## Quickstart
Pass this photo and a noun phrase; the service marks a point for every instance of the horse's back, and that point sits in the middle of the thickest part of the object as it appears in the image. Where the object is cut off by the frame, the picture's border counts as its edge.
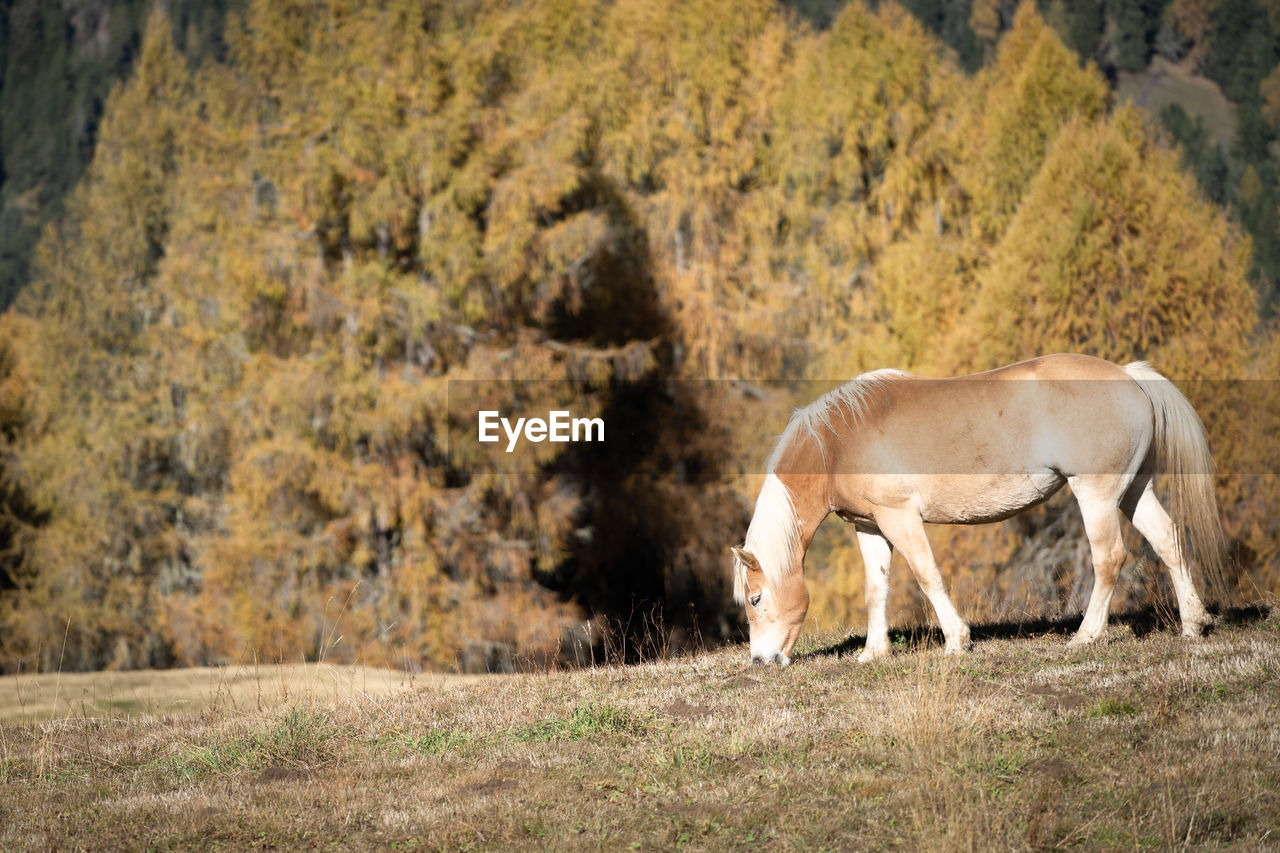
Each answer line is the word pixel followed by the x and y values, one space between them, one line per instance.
pixel 1048 399
pixel 1057 367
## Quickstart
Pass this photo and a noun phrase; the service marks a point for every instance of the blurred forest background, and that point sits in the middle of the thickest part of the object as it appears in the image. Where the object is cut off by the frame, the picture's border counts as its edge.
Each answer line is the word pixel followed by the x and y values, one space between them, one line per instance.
pixel 246 246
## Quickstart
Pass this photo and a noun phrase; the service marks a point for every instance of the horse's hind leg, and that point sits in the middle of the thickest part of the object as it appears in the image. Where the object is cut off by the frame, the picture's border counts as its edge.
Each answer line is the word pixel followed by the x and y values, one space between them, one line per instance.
pixel 905 530
pixel 1146 513
pixel 1099 507
pixel 876 554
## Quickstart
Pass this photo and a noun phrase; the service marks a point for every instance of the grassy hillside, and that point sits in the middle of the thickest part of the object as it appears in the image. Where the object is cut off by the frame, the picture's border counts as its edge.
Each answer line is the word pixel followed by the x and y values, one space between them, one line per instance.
pixel 32 698
pixel 1165 83
pixel 1143 740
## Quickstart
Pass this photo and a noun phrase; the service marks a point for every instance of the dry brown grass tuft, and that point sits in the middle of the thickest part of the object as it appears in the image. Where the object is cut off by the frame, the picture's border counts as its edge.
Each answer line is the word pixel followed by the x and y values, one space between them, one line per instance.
pixel 1137 742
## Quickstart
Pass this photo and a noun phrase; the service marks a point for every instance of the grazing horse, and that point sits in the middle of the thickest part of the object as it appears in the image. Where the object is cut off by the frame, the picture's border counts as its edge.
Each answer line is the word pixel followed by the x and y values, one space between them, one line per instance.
pixel 888 451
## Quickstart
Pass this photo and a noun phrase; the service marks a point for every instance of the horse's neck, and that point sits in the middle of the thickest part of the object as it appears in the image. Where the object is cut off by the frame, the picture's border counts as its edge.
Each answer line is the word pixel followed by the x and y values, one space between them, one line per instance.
pixel 803 465
pixel 787 514
pixel 811 506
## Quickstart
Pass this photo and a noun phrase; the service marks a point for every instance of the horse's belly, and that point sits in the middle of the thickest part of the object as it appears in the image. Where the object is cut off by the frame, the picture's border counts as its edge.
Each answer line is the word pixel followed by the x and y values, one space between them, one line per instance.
pixel 979 498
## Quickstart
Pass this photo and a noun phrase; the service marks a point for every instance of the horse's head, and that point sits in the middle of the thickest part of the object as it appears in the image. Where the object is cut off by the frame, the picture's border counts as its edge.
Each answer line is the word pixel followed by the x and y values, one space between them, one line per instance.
pixel 776 607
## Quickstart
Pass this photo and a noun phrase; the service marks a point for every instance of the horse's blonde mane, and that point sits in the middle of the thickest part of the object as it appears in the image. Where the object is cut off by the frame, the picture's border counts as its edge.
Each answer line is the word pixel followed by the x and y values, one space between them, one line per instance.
pixel 774 533
pixel 852 399
pixel 772 537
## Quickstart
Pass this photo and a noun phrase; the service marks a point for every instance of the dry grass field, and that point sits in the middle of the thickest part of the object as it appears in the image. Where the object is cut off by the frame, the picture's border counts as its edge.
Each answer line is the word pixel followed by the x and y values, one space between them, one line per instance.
pixel 1142 741
pixel 43 696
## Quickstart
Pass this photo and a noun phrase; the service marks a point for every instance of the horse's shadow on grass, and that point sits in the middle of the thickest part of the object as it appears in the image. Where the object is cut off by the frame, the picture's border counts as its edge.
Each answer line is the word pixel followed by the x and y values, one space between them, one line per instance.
pixel 1142 621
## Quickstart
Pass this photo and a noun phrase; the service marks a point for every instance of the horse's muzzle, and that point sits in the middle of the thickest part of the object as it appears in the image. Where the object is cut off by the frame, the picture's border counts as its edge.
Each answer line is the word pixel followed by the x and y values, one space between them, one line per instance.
pixel 780 659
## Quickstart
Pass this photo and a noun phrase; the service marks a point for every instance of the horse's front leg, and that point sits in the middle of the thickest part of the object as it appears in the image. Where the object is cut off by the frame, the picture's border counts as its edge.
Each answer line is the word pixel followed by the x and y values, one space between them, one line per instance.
pixel 904 528
pixel 876 554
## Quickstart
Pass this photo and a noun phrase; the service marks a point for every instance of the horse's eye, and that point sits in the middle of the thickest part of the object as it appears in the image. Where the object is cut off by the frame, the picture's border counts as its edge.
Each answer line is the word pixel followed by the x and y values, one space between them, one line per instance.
pixel 754 600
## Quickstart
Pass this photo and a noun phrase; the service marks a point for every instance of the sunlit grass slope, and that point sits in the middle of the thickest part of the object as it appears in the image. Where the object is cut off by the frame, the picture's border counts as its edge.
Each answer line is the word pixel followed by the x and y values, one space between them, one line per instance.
pixel 1142 741
pixel 1165 83
pixel 40 696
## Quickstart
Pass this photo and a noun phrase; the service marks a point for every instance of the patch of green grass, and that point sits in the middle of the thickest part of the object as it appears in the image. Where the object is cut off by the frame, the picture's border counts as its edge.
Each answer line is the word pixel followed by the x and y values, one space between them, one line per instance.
pixel 434 741
pixel 1112 707
pixel 1003 768
pixel 1215 692
pixel 588 720
pixel 297 739
pixel 681 757
pixel 439 741
pixel 129 706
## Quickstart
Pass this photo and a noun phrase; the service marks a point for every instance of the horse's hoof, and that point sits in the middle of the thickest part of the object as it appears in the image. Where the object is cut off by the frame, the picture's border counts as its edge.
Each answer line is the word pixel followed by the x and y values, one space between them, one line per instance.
pixel 1079 640
pixel 1195 628
pixel 871 653
pixel 959 645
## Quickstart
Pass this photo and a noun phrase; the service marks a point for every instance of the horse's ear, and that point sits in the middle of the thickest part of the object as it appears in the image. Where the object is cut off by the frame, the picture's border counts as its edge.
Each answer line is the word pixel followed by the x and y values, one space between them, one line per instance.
pixel 746 558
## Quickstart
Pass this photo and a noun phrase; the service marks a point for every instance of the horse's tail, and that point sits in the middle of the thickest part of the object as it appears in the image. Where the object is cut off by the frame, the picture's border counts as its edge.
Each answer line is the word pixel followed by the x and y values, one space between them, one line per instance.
pixel 1183 454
